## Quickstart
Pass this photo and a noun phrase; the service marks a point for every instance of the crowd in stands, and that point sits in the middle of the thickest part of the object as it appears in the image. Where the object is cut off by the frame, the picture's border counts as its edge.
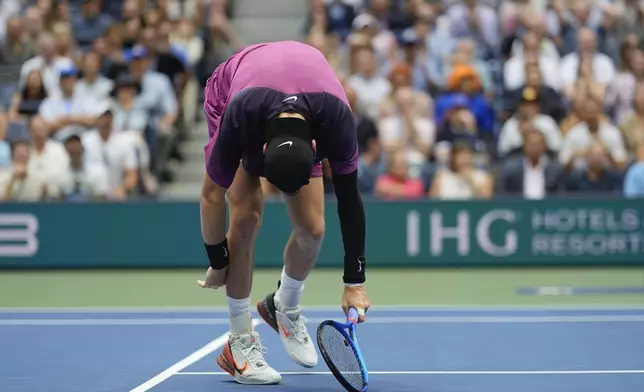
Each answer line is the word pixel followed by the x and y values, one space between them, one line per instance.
pixel 462 99
pixel 454 99
pixel 96 95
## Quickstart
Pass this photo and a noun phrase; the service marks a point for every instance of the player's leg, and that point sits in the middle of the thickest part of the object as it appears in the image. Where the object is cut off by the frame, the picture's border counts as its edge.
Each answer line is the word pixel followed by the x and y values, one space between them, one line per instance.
pixel 243 356
pixel 281 309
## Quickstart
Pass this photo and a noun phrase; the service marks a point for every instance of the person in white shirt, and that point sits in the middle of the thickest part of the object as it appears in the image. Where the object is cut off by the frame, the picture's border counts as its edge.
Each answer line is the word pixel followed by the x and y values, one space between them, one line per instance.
pixel 82 181
pixel 587 62
pixel 113 151
pixel 93 85
pixel 512 135
pixel 371 88
pixel 48 63
pixel 67 114
pixel 48 157
pixel 514 74
pixel 581 136
pixel 19 182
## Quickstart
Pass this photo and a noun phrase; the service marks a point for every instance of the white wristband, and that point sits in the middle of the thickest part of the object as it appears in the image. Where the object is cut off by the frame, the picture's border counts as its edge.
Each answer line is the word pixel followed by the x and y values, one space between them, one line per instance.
pixel 353 284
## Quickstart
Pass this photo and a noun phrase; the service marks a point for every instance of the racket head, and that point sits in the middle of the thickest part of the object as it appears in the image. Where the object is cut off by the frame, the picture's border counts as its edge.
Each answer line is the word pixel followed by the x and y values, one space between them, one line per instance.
pixel 341 353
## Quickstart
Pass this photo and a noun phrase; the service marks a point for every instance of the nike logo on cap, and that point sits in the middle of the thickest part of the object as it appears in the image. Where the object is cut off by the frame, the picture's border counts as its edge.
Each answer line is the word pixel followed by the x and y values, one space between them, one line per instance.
pixel 289 143
pixel 290 99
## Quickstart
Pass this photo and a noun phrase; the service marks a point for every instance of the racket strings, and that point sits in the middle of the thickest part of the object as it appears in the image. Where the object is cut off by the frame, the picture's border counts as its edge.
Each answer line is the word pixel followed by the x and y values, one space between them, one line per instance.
pixel 343 357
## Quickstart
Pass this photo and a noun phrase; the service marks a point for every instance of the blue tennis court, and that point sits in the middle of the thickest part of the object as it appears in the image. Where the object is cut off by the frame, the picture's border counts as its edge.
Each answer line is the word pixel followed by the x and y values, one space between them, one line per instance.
pixel 412 349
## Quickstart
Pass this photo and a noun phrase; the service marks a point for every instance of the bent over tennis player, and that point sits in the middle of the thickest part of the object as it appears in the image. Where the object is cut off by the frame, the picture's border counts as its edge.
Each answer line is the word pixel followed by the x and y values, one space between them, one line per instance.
pixel 279 109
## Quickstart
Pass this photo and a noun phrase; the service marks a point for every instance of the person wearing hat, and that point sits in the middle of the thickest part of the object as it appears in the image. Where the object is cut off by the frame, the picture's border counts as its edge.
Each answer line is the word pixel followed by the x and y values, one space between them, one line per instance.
pixel 511 138
pixel 129 114
pixel 279 109
pixel 68 113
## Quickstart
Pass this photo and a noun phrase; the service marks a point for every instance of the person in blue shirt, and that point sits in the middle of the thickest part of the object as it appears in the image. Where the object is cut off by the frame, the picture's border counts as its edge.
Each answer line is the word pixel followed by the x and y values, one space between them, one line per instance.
pixel 634 181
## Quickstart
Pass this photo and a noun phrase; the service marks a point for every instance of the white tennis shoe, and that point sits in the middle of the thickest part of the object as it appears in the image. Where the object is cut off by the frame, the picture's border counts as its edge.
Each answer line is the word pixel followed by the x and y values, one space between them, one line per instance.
pixel 243 358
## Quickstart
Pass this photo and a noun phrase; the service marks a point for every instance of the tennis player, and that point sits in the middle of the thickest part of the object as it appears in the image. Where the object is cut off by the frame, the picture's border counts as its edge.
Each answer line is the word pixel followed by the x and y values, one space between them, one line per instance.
pixel 279 109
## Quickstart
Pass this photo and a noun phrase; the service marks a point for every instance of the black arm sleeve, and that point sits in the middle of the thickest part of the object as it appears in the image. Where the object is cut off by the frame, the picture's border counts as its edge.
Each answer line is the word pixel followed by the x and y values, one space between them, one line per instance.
pixel 352 224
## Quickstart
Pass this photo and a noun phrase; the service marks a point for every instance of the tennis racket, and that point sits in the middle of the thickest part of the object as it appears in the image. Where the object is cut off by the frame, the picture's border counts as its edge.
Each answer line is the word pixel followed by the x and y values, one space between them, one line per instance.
pixel 339 348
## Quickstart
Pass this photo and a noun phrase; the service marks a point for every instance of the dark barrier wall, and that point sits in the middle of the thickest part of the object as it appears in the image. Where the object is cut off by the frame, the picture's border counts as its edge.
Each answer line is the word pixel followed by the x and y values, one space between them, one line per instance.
pixel 399 234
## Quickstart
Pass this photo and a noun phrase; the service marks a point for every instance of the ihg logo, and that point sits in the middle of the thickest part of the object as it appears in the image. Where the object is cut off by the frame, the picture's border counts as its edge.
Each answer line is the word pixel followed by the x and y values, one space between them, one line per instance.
pixel 18 235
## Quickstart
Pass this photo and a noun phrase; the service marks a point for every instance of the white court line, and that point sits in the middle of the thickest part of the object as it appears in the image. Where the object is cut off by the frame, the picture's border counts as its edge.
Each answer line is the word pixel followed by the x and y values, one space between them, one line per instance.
pixel 370 320
pixel 323 308
pixel 445 372
pixel 184 363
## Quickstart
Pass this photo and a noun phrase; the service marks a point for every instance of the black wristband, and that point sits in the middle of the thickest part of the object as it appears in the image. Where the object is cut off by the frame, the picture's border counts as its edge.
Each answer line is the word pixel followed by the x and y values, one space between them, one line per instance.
pixel 218 254
pixel 354 270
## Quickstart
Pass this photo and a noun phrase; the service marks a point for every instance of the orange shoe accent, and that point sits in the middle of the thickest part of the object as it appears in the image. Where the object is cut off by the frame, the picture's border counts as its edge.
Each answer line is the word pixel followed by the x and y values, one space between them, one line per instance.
pixel 286 333
pixel 262 313
pixel 239 369
pixel 224 364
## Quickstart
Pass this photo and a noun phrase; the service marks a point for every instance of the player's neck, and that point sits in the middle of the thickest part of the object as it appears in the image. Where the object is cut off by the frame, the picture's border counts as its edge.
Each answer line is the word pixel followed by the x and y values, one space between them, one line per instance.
pixel 290 115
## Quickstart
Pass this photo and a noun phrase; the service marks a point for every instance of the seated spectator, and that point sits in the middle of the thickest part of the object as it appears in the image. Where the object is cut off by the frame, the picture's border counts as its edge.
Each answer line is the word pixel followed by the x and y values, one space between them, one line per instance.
pixel 365 127
pixel 67 114
pixel 90 24
pixel 414 55
pixel 511 138
pixel 514 70
pixel 128 113
pixel 47 157
pixel 81 181
pixel 406 130
pixel 189 42
pixel 170 60
pixel 550 101
pixel 371 163
pixel 620 93
pixel 396 183
pixel 532 175
pixel 65 41
pixel 48 63
pixel 371 88
pixel 472 19
pixel 27 101
pixel 19 183
pixel 598 177
pixel 111 48
pixel 578 102
pixel 581 137
pixel 93 85
pixel 5 150
pixel 465 54
pixel 337 16
pixel 463 81
pixel 369 32
pixel 534 22
pixel 16 48
pixel 587 64
pixel 460 180
pixel 458 127
pixel 401 76
pixel 113 152
pixel 633 127
pixel 634 181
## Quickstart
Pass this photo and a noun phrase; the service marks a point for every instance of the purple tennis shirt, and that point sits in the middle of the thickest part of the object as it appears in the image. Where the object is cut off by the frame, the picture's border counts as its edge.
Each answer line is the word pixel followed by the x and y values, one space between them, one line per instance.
pixel 259 83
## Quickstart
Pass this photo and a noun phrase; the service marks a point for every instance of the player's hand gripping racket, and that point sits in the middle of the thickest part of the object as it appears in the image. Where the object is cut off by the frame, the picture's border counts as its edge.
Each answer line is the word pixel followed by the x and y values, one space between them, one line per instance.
pixel 339 348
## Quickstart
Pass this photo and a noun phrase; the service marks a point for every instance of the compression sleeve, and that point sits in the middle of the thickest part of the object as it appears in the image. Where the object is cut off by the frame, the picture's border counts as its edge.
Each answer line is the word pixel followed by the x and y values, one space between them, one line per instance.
pixel 353 226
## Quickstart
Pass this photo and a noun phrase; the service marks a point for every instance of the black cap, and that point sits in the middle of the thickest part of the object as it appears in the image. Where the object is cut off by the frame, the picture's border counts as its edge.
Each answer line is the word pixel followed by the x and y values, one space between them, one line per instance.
pixel 288 162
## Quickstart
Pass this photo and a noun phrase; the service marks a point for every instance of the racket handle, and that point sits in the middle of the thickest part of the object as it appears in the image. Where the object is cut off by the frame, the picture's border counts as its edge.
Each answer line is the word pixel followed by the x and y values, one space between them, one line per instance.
pixel 352 316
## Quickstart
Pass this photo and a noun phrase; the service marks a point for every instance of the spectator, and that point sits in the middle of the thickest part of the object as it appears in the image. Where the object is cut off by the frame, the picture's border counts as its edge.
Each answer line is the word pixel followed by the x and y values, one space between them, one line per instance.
pixel 514 70
pixel 465 54
pixel 598 177
pixel 115 153
pixel 413 53
pixel 364 125
pixel 5 150
pixel 47 157
pixel 65 41
pixel 461 180
pixel 49 63
pixel 401 77
pixel 458 127
pixel 463 81
pixel 550 101
pixel 587 64
pixel 16 48
pixel 619 95
pixel 534 23
pixel 371 88
pixel 91 24
pixel 581 136
pixel 27 101
pixel 578 102
pixel 67 114
pixel 532 175
pixel 634 181
pixel 34 26
pixel 82 182
pixel 128 113
pixel 511 137
pixel 633 128
pixel 396 183
pixel 406 130
pixel 371 163
pixel 19 182
pixel 93 85
pixel 469 19
pixel 111 50
pixel 170 60
pixel 367 31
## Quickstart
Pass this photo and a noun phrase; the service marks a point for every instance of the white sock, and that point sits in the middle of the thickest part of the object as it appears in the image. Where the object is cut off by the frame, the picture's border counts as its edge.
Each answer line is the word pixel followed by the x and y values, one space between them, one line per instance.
pixel 240 318
pixel 288 295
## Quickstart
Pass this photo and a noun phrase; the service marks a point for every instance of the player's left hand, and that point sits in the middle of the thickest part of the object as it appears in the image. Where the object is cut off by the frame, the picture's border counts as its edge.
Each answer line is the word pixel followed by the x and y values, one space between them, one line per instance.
pixel 356 297
pixel 214 279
